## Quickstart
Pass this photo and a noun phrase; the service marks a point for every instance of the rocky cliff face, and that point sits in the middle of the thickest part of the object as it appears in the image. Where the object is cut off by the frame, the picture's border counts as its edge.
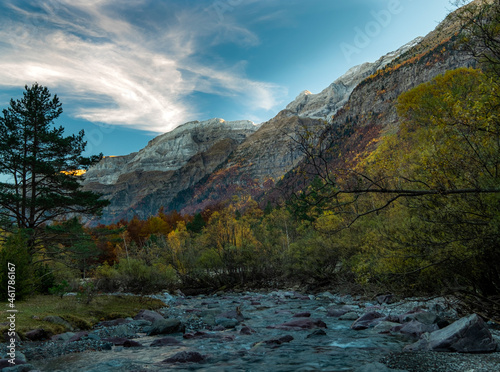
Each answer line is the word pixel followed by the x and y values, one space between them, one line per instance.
pixel 168 164
pixel 326 103
pixel 201 163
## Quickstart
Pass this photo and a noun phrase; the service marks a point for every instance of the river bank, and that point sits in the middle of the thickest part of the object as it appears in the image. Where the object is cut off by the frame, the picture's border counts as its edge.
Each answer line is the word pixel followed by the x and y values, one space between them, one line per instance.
pixel 278 330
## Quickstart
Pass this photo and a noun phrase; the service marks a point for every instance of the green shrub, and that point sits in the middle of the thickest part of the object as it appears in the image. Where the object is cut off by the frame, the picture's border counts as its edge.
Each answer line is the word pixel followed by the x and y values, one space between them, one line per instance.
pixel 15 251
pixel 136 276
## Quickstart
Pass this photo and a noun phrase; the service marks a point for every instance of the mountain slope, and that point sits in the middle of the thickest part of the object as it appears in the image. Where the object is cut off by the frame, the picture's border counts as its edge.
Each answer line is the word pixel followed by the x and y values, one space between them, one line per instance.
pixel 168 164
pixel 199 164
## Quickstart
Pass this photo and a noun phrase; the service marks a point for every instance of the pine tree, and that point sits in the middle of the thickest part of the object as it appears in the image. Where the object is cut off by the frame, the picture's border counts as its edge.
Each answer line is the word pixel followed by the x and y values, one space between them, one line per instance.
pixel 40 166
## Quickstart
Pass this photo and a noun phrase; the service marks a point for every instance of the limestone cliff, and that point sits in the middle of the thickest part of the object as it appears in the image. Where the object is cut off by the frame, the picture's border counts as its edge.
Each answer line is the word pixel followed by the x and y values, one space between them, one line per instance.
pixel 326 103
pixel 167 165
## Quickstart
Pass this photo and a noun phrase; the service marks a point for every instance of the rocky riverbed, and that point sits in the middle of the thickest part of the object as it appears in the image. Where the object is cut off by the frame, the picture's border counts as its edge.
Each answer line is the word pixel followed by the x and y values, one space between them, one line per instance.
pixel 275 331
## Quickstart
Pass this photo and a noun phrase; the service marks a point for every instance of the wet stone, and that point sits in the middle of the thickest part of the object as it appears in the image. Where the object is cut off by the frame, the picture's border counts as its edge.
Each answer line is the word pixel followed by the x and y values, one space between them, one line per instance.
pixel 165 341
pixel 226 323
pixel 349 316
pixel 186 357
pixel 132 343
pixel 317 333
pixel 247 331
pixel 150 316
pixel 301 323
pixel 367 320
pixel 165 326
pixel 39 334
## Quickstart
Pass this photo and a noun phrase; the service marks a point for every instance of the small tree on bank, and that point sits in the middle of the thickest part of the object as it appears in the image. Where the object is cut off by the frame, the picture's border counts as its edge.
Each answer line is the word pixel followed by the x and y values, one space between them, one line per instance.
pixel 40 167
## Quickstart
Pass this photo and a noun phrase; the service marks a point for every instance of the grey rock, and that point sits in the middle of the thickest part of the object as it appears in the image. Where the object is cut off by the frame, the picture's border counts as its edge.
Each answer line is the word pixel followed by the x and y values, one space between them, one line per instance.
pixel 317 333
pixel 38 334
pixel 226 323
pixel 59 320
pixel 141 323
pixel 165 326
pixel 415 328
pixel 93 336
pixel 186 357
pixel 232 314
pixel 149 315
pixel 122 331
pixel 426 318
pixel 384 326
pixel 166 341
pixel 367 320
pixel 466 335
pixel 63 336
pixel 385 299
pixel 350 316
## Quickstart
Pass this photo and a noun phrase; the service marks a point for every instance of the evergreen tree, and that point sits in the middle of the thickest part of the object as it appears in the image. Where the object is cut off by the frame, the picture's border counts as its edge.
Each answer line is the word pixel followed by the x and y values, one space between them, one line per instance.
pixel 40 166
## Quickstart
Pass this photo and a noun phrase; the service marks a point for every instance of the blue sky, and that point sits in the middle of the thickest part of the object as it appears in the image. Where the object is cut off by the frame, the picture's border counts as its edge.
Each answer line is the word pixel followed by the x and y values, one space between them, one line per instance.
pixel 129 70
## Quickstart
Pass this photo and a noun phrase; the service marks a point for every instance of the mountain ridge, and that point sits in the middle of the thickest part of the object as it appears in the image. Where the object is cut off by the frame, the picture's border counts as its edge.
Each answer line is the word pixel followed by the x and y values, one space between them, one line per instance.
pixel 209 168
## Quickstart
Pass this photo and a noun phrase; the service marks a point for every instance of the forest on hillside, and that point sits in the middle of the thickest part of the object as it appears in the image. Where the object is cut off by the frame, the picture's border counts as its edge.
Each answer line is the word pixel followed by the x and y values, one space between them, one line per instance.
pixel 420 214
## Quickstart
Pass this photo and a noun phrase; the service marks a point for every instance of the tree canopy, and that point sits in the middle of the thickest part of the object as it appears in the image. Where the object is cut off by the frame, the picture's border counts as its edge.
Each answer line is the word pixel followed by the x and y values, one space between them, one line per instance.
pixel 40 165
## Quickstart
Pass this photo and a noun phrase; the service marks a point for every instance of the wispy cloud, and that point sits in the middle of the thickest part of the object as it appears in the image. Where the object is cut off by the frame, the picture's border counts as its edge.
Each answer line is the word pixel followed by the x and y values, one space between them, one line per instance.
pixel 122 72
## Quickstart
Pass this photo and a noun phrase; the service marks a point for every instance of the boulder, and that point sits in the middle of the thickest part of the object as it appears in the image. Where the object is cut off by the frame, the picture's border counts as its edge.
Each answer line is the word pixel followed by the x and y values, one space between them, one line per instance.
pixel 166 341
pixel 58 320
pixel 232 314
pixel 385 326
pixel 246 331
pixel 367 320
pixel 301 323
pixel 78 336
pixel 385 299
pixel 350 316
pixel 317 333
pixel 65 337
pixel 226 323
pixel 150 316
pixel 467 335
pixel 410 315
pixel 123 330
pixel 336 311
pixel 279 341
pixel 38 334
pixel 186 357
pixel 415 328
pixel 165 326
pixel 132 343
pixel 426 317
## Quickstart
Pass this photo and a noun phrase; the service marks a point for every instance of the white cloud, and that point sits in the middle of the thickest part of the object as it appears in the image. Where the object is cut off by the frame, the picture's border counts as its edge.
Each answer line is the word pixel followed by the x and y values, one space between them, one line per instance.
pixel 121 73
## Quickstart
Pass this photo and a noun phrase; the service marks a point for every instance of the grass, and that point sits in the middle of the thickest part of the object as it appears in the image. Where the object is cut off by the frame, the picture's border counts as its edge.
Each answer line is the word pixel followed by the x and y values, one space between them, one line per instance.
pixel 33 310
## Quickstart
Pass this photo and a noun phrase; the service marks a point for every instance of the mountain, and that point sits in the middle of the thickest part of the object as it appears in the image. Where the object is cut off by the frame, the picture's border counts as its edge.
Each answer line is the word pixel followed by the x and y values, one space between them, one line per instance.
pixel 326 103
pixel 201 163
pixel 168 164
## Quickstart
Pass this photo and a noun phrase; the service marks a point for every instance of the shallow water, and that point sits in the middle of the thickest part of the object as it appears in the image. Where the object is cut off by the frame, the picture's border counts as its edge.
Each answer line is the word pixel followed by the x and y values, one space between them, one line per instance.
pixel 341 349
